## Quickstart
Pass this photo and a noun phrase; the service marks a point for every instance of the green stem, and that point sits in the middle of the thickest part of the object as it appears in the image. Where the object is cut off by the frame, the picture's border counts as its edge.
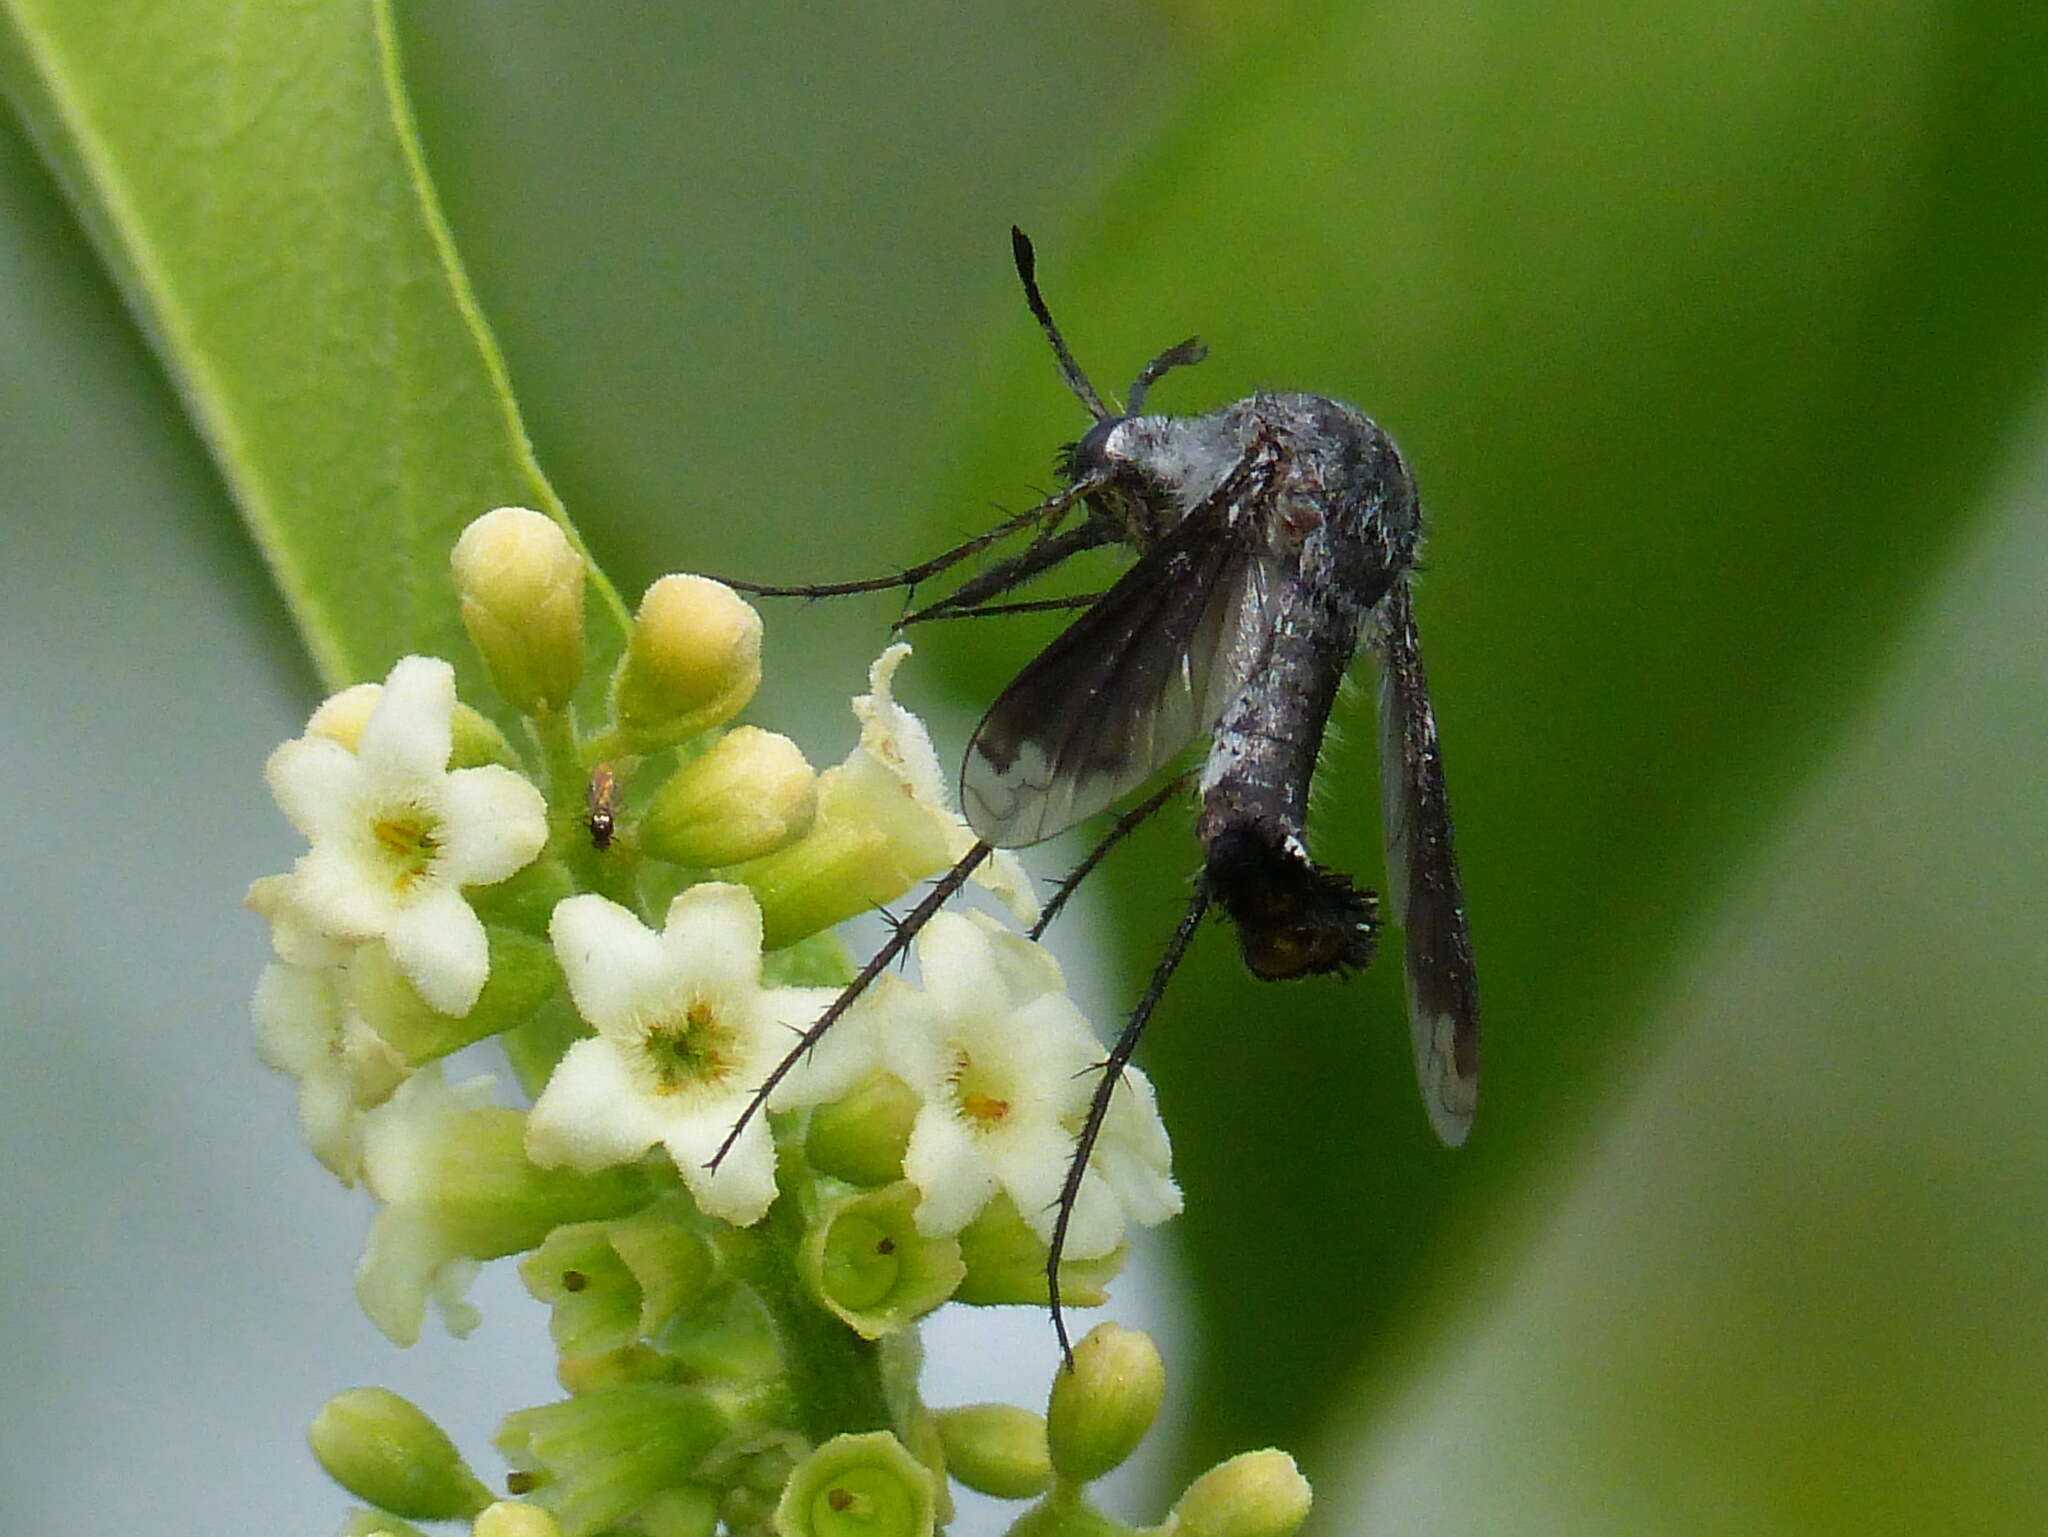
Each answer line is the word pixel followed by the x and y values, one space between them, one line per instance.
pixel 835 1377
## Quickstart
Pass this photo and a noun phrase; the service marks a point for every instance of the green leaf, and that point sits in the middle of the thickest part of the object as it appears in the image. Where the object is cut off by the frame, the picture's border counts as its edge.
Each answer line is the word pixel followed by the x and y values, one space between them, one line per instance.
pixel 251 178
pixel 1702 333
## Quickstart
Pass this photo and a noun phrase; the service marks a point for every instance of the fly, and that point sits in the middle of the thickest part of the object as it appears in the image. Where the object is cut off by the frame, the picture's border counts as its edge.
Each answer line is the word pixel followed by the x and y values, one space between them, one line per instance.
pixel 1273 537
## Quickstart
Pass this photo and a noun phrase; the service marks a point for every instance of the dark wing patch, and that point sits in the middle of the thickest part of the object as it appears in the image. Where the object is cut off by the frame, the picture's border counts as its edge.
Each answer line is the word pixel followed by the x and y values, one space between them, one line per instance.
pixel 1422 877
pixel 1128 685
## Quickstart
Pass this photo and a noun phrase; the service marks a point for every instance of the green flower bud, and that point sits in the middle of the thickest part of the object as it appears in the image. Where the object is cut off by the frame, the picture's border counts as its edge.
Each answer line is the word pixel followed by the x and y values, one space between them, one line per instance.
pixel 523 975
pixel 858 1486
pixel 596 1460
pixel 997 1449
pixel 520 584
pixel 692 662
pixel 1006 1263
pixel 382 1449
pixel 872 841
pixel 750 795
pixel 612 1283
pixel 861 1138
pixel 515 1518
pixel 1254 1494
pixel 595 1371
pixel 864 1259
pixel 1104 1403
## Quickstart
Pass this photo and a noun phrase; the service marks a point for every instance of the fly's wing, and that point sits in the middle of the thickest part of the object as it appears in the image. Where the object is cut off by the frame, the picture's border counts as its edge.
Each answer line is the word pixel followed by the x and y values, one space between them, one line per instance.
pixel 1422 874
pixel 1129 684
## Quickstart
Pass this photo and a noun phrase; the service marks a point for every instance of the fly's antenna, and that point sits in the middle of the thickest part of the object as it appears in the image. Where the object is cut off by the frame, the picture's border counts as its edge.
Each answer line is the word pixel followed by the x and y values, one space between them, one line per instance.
pixel 1098 1107
pixel 1180 355
pixel 1027 269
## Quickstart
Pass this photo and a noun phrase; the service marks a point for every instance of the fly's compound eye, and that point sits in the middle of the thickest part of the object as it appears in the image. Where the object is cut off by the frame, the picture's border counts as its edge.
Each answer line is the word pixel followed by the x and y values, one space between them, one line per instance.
pixel 1090 459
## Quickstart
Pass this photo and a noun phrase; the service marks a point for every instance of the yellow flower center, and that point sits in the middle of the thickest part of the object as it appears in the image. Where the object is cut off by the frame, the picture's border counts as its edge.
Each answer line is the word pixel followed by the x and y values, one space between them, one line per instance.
pixel 691 1049
pixel 410 841
pixel 981 1095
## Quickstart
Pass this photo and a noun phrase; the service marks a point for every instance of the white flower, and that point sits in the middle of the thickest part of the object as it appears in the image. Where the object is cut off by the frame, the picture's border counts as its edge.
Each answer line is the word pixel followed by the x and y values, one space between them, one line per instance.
pixel 414 1253
pixel 1000 1057
pixel 1133 1161
pixel 896 742
pixel 297 939
pixel 686 1034
pixel 343 1067
pixel 396 835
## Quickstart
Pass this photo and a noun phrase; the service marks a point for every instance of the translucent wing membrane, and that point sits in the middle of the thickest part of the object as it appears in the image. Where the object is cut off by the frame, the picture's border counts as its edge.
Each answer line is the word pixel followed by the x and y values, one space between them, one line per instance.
pixel 1133 681
pixel 1422 877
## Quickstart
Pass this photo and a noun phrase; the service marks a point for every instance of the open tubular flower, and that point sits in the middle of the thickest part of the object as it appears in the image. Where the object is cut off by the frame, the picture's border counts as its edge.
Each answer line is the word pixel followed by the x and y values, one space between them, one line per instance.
pixel 686 1034
pixel 999 1057
pixel 305 1028
pixel 396 835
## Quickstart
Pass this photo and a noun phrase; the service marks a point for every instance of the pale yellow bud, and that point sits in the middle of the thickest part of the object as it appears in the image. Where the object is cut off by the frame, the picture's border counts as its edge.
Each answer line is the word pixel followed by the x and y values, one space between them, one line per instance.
pixel 1104 1403
pixel 996 1449
pixel 520 583
pixel 515 1518
pixel 692 662
pixel 750 795
pixel 1254 1494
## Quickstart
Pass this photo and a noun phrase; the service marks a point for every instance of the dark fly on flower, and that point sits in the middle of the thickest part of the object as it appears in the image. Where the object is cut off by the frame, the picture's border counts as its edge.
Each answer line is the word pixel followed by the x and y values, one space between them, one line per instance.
pixel 1273 538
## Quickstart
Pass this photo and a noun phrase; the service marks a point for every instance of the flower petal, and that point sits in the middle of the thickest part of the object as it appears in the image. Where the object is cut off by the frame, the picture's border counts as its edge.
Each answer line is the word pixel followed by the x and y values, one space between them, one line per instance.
pixel 843 1056
pixel 1031 1164
pixel 959 969
pixel 493 822
pixel 952 1177
pixel 615 963
pixel 713 934
pixel 438 943
pixel 317 783
pixel 590 1116
pixel 337 896
pixel 410 733
pixel 742 1187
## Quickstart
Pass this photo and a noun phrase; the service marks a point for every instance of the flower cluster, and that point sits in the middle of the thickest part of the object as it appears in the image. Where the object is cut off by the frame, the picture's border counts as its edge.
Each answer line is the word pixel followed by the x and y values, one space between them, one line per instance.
pixel 637 904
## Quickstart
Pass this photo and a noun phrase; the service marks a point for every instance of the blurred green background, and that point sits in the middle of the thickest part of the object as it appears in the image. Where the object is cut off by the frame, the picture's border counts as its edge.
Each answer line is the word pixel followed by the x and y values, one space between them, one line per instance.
pixel 1717 337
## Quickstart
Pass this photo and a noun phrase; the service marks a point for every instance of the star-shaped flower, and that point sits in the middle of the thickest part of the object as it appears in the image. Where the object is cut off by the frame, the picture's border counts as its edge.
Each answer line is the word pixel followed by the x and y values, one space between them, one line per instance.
pixel 1002 1060
pixel 686 1034
pixel 396 835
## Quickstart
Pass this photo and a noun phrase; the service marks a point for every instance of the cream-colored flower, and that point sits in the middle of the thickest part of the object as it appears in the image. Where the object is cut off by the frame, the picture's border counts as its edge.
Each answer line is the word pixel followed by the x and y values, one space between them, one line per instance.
pixel 343 1067
pixel 894 739
pixel 686 1035
pixel 1005 1066
pixel 396 835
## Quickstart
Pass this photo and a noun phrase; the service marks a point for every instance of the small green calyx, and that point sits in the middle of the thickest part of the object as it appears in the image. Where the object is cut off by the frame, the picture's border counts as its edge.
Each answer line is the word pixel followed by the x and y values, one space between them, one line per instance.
pixel 864 1259
pixel 383 1449
pixel 861 1138
pixel 1006 1264
pixel 858 1486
